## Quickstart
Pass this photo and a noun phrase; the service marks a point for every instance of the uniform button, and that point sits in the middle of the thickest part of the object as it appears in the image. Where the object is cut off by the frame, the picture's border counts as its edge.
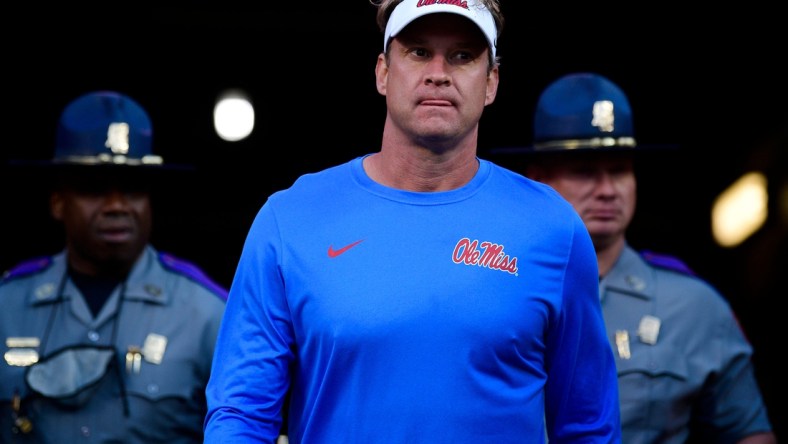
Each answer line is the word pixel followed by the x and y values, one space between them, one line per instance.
pixel 153 388
pixel 93 336
pixel 85 431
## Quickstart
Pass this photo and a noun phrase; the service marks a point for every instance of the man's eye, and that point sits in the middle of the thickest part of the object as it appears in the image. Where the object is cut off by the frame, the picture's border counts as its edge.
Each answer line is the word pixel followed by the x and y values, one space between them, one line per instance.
pixel 463 55
pixel 582 173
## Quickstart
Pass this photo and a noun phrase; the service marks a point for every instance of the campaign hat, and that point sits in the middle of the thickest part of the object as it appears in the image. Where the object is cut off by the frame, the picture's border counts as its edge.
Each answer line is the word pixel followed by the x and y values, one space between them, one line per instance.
pixel 103 133
pixel 582 113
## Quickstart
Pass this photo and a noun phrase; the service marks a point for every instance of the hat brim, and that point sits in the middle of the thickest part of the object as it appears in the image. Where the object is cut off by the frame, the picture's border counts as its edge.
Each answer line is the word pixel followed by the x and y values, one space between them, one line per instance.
pixel 51 165
pixel 50 174
pixel 531 151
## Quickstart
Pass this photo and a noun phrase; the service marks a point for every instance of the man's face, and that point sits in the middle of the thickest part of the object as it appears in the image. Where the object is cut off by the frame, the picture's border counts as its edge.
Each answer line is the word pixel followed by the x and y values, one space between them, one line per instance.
pixel 601 187
pixel 437 79
pixel 107 221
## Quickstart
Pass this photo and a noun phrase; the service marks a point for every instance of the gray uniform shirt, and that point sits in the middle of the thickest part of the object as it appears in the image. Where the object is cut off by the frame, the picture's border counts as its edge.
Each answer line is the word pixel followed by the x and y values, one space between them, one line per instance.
pixel 680 353
pixel 163 326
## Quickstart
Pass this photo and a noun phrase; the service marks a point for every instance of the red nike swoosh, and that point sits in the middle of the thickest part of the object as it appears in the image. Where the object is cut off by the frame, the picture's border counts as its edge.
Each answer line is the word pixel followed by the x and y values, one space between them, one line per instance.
pixel 334 253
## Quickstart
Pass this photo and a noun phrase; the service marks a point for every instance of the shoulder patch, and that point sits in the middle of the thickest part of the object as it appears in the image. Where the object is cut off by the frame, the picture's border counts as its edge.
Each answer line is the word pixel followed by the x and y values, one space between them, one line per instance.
pixel 193 272
pixel 666 261
pixel 27 267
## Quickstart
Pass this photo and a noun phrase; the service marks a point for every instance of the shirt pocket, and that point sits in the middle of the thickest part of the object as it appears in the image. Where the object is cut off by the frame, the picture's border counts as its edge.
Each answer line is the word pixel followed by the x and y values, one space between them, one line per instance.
pixel 654 361
pixel 654 385
pixel 167 402
pixel 173 379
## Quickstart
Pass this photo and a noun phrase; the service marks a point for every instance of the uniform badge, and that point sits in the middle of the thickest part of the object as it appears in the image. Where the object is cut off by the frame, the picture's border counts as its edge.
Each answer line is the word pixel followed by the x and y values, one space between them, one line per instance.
pixel 648 330
pixel 153 290
pixel 635 282
pixel 154 347
pixel 44 290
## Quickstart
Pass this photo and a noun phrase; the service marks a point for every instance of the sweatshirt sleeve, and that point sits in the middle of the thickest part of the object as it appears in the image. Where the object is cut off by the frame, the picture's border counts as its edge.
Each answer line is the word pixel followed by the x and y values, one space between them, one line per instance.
pixel 249 378
pixel 581 395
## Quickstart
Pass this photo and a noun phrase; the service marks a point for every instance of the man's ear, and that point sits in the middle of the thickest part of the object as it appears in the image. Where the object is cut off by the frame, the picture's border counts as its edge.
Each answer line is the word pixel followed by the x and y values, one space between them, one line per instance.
pixel 56 205
pixel 492 86
pixel 381 74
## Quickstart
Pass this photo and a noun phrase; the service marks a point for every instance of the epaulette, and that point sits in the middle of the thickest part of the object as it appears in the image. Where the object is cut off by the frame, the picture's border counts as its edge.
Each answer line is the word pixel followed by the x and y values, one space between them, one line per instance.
pixel 666 261
pixel 27 267
pixel 193 272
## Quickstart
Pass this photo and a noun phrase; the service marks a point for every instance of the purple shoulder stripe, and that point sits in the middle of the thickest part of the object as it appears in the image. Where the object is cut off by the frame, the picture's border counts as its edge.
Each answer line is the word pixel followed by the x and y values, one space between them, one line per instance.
pixel 192 271
pixel 28 267
pixel 666 261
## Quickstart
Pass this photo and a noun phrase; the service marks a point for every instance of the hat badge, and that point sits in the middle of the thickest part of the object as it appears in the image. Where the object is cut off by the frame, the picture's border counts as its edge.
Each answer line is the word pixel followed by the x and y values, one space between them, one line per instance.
pixel 118 138
pixel 603 116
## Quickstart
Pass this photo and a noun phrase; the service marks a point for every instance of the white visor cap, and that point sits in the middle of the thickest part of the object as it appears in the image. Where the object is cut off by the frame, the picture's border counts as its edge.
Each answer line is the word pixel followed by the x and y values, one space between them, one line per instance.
pixel 409 10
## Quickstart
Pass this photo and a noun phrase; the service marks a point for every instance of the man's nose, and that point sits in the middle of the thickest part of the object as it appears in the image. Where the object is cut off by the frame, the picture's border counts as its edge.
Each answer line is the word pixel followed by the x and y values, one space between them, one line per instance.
pixel 437 71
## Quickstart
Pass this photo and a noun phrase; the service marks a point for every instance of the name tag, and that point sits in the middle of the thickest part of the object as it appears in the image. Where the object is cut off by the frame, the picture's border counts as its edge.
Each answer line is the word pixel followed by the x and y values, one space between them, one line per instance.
pixel 21 357
pixel 22 351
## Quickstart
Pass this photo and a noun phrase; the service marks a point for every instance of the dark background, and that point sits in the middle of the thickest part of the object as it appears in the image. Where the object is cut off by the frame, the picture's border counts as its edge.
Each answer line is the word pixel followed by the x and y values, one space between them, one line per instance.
pixel 711 81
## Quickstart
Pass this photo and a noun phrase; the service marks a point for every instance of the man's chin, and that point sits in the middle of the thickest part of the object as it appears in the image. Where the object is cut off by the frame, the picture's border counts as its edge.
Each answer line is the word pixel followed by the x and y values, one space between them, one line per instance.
pixel 604 232
pixel 120 254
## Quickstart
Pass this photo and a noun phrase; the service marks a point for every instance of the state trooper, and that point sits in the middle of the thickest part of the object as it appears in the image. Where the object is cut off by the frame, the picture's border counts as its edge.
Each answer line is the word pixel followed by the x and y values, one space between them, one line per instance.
pixel 684 365
pixel 109 339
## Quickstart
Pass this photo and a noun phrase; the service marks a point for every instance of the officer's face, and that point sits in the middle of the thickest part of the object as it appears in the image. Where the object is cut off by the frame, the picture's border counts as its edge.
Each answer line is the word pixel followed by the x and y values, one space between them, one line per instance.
pixel 106 226
pixel 601 188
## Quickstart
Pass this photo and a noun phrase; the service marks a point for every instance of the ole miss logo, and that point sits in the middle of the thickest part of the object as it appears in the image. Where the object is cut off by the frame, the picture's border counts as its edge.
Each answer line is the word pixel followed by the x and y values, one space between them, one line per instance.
pixel 460 3
pixel 483 254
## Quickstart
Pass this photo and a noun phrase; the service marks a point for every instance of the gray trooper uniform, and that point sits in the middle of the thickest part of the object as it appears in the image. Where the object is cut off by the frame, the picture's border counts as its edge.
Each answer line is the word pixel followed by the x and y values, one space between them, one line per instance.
pixel 676 339
pixel 160 326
